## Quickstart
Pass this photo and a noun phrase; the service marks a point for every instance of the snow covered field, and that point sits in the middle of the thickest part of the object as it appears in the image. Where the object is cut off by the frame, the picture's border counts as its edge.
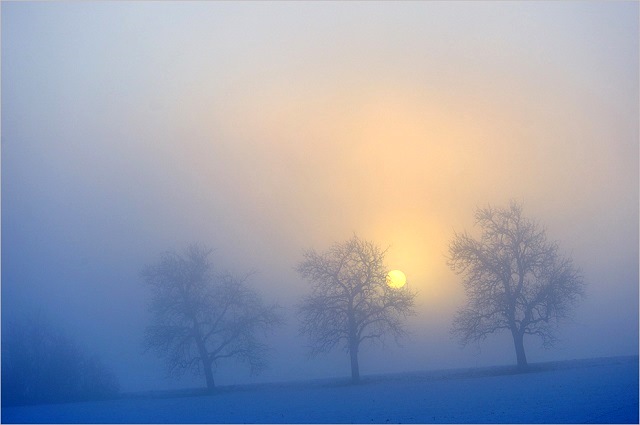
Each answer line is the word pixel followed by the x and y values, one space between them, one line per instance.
pixel 584 391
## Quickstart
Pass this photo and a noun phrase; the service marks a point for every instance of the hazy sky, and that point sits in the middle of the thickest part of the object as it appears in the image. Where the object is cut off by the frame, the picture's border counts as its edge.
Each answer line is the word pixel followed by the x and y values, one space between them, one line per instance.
pixel 263 129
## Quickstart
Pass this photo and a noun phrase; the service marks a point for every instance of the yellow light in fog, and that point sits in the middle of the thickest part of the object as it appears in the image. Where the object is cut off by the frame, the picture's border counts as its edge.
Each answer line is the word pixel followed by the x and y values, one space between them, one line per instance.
pixel 396 279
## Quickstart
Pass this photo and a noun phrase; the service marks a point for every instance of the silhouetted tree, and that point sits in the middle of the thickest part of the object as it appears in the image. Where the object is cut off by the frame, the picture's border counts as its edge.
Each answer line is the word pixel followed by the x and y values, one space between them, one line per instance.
pixel 514 278
pixel 199 317
pixel 40 364
pixel 350 301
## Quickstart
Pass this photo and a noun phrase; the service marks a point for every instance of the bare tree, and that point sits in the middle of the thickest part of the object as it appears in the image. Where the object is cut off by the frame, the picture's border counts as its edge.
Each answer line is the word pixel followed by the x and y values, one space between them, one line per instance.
pixel 514 278
pixel 350 301
pixel 200 318
pixel 42 364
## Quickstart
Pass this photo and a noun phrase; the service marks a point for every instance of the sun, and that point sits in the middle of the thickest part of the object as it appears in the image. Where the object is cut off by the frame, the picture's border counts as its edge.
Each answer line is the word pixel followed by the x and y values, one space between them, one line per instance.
pixel 396 279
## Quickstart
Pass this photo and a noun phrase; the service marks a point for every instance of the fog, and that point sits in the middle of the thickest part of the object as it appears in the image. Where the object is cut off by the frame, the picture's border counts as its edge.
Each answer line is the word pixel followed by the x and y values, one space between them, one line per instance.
pixel 264 129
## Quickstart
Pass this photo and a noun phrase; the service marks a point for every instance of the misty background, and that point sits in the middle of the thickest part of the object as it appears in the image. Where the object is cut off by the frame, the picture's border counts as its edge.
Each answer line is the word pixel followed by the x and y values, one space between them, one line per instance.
pixel 263 129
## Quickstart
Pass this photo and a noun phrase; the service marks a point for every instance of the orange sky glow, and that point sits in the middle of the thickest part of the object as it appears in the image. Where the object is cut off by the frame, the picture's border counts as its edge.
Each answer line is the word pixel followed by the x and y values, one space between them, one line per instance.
pixel 265 129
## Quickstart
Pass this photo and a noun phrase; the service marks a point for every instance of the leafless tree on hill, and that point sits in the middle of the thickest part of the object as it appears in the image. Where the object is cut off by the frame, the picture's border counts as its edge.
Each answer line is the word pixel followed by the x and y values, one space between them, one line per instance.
pixel 515 280
pixel 200 318
pixel 350 301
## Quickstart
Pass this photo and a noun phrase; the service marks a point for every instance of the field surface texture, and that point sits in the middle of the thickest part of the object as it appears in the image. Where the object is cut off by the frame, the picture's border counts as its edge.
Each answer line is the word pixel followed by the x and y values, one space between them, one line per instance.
pixel 585 391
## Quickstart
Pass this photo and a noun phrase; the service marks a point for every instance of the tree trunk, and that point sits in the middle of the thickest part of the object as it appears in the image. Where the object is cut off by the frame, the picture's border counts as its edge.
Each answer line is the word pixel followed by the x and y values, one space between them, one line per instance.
pixel 518 340
pixel 353 347
pixel 355 368
pixel 204 357
pixel 208 374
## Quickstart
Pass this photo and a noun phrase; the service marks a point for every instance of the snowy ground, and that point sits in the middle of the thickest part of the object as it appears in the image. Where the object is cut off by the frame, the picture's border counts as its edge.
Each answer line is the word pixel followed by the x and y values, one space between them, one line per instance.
pixel 585 391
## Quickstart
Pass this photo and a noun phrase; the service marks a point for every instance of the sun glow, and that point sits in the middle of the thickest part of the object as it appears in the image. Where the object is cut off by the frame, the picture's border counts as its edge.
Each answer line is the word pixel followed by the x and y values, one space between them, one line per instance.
pixel 396 279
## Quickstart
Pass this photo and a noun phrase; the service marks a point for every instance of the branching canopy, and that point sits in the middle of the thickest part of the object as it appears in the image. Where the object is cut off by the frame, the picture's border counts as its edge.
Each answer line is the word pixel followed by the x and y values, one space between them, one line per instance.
pixel 199 317
pixel 350 301
pixel 514 278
